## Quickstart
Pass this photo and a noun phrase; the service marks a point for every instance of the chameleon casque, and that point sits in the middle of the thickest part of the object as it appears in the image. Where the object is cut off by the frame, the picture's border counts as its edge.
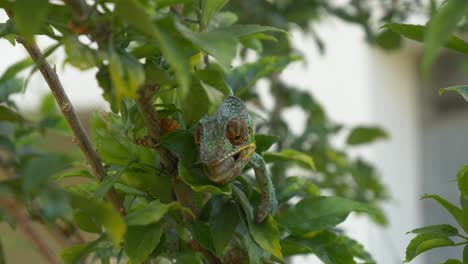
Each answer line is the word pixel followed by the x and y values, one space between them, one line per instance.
pixel 227 145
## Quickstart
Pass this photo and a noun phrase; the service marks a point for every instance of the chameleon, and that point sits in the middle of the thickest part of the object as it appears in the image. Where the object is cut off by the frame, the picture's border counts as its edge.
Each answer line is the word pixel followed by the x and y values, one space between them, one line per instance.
pixel 226 146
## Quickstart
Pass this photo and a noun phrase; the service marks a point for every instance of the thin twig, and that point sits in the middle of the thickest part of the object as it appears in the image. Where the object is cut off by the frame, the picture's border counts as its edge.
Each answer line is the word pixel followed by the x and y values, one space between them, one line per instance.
pixel 14 210
pixel 68 112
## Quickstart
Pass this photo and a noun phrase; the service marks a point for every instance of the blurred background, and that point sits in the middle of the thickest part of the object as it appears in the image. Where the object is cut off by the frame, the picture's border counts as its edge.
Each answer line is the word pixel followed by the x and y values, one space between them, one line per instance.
pixel 357 84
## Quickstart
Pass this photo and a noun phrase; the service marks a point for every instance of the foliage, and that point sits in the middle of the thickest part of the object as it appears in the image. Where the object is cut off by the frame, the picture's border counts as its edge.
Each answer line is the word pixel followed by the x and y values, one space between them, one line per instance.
pixel 439 32
pixel 162 65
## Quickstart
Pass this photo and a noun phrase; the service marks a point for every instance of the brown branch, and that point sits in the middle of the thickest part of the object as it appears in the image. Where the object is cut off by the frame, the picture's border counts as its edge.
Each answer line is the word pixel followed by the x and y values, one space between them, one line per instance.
pixel 68 112
pixel 14 210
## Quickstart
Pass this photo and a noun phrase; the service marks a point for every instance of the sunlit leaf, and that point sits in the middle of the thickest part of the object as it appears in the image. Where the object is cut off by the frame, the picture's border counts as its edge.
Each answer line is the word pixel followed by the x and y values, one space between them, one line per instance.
pixel 300 158
pixel 458 214
pixel 266 235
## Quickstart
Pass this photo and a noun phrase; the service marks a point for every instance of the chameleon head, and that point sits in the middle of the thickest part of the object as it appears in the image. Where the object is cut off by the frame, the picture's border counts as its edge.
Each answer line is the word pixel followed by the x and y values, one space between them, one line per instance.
pixel 226 141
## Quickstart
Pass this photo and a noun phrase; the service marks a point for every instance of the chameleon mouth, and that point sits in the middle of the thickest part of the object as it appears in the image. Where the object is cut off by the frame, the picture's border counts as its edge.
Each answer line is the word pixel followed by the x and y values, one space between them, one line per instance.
pixel 231 166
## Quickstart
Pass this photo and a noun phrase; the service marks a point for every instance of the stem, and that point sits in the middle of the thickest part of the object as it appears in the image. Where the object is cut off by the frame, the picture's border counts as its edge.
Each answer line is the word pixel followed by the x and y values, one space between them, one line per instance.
pixel 151 118
pixel 80 136
pixel 12 208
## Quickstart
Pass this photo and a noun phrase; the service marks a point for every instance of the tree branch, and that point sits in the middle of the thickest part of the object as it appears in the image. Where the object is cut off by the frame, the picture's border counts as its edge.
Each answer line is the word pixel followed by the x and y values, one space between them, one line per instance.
pixel 168 161
pixel 13 209
pixel 68 112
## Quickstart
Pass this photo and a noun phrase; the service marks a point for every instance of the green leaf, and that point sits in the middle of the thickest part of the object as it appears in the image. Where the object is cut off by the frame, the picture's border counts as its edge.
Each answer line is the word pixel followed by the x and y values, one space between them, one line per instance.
pixel 266 235
pixel 127 74
pixel 198 181
pixel 326 245
pixel 322 212
pixel 243 77
pixel 152 213
pixel 219 44
pixel 73 173
pixel 364 135
pixel 107 183
pixel 459 215
pixel 446 230
pixel 425 242
pixel 38 170
pixel 9 87
pixel 239 30
pixel 166 3
pixel 452 261
pixel 296 186
pixel 440 27
pixel 201 233
pixel 300 158
pixel 101 213
pixel 416 32
pixel 8 115
pixel 223 222
pixel 264 142
pixel 136 15
pixel 80 55
pixel 462 179
pixel 210 8
pixel 140 241
pixel 182 143
pixel 388 40
pixel 465 254
pixel 16 68
pixel 30 16
pixel 76 253
pixel 462 90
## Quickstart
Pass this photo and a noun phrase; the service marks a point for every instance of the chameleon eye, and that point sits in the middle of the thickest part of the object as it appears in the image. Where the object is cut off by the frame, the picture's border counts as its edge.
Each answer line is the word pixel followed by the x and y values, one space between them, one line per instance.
pixel 197 135
pixel 236 131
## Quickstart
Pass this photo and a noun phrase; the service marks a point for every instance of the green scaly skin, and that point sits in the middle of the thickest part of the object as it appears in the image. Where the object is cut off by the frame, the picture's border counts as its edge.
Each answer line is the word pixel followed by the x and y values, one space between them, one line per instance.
pixel 224 160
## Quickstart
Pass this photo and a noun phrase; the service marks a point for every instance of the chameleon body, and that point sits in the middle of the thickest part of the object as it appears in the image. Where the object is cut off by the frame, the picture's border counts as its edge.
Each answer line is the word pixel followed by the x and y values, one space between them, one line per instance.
pixel 227 145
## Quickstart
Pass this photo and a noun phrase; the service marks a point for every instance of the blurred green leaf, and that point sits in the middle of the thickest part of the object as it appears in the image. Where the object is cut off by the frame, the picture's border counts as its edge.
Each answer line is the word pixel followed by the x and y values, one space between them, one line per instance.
pixel 223 222
pixel 388 40
pixel 264 142
pixel 243 77
pixel 8 115
pixel 266 235
pixel 440 28
pixel 101 213
pixel 107 183
pixel 462 179
pixel 80 55
pixel 300 158
pixel 76 253
pixel 446 230
pixel 9 87
pixel 140 241
pixel 321 212
pixel 166 3
pixel 416 32
pixel 30 16
pixel 459 215
pixel 452 261
pixel 296 186
pixel 365 135
pixel 425 242
pixel 462 90
pixel 15 68
pixel 136 15
pixel 326 245
pixel 74 172
pixel 209 9
pixel 127 74
pixel 38 170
